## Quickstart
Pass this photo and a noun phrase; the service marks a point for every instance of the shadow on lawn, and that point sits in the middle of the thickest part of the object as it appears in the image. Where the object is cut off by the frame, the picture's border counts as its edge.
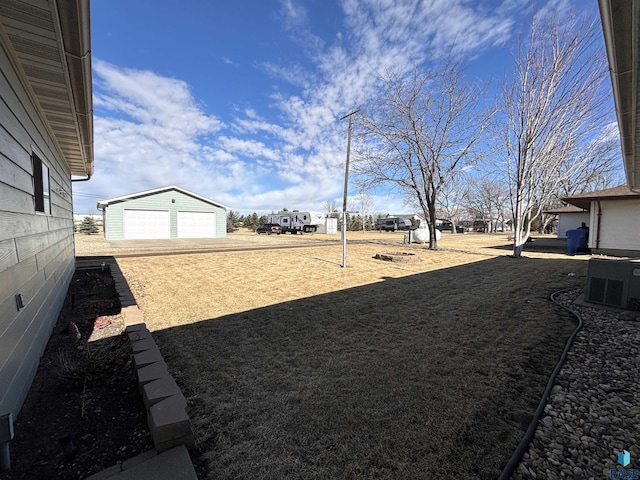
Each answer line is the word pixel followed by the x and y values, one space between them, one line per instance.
pixel 434 375
pixel 539 244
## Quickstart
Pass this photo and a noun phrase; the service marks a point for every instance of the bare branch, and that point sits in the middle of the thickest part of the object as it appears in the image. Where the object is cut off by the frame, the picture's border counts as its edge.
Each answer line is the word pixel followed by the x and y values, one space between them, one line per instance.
pixel 419 134
pixel 554 112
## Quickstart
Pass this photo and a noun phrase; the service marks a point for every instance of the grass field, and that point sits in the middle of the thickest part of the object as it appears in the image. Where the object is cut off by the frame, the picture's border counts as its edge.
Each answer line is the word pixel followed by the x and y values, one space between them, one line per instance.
pixel 297 368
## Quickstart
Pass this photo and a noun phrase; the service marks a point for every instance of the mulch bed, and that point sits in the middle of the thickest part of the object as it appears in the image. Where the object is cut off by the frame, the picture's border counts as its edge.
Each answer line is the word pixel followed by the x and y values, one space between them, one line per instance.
pixel 84 412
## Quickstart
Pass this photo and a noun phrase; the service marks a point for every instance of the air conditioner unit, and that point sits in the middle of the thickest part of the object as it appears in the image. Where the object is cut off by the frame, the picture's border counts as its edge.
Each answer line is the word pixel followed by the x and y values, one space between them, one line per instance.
pixel 615 283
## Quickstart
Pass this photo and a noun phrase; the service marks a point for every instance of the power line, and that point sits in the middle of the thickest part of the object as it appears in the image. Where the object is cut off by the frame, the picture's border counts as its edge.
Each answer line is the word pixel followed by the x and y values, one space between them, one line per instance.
pixel 91 195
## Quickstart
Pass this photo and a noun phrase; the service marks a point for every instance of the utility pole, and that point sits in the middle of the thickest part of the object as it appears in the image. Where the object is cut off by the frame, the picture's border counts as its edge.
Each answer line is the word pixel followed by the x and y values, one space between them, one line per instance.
pixel 346 184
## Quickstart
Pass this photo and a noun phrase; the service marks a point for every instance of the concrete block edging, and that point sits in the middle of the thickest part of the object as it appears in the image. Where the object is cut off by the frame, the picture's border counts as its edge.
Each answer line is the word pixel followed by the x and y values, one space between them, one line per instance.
pixel 169 425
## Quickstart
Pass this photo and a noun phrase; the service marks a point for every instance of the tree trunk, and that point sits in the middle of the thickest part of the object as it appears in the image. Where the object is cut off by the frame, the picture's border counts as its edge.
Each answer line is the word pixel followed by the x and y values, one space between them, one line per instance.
pixel 519 228
pixel 433 241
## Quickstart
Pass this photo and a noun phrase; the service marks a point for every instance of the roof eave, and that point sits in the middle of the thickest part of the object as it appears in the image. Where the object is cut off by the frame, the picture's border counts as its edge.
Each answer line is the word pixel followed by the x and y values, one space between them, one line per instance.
pixel 583 203
pixel 75 26
pixel 620 29
pixel 105 203
pixel 49 46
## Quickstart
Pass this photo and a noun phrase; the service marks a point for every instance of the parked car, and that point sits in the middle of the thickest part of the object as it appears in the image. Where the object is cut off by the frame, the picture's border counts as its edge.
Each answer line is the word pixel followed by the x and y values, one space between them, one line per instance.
pixel 269 228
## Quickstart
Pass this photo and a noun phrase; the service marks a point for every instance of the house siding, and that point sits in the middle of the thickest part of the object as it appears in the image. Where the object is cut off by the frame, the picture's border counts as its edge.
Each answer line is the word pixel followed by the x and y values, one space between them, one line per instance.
pixel 619 226
pixel 114 212
pixel 36 250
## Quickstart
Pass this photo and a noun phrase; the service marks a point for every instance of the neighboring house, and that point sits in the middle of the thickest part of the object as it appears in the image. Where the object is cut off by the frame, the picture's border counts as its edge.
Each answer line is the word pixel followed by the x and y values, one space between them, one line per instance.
pixel 570 217
pixel 46 137
pixel 163 213
pixel 614 220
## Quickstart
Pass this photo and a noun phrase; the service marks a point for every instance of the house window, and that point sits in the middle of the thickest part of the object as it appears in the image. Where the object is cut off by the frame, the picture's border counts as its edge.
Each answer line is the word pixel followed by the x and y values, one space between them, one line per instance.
pixel 42 191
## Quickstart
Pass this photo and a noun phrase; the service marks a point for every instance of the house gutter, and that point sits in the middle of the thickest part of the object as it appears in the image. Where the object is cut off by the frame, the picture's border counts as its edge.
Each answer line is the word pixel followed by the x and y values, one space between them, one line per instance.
pixel 81 179
pixel 74 20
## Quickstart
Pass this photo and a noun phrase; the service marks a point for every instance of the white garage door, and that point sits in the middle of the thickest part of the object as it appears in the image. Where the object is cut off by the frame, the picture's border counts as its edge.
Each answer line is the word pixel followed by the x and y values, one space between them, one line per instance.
pixel 196 224
pixel 146 224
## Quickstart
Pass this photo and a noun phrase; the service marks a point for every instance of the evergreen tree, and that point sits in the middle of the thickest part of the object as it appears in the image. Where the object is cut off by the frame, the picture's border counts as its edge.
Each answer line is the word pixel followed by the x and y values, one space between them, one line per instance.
pixel 255 220
pixel 88 226
pixel 370 224
pixel 233 221
pixel 252 221
pixel 355 223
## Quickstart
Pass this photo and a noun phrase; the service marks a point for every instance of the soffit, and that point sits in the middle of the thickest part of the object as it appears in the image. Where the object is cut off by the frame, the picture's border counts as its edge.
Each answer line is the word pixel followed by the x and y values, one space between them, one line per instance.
pixel 49 43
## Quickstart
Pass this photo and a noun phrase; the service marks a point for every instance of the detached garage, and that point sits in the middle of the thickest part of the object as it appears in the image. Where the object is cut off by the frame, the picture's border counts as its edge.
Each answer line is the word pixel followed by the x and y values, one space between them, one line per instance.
pixel 163 213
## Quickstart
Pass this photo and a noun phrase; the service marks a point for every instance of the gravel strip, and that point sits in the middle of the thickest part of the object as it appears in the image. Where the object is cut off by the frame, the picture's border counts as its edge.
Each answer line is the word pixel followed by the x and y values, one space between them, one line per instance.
pixel 593 412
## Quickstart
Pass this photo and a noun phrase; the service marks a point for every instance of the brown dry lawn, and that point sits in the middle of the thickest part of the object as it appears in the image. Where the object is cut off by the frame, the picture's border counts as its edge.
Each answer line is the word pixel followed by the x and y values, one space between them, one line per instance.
pixel 294 367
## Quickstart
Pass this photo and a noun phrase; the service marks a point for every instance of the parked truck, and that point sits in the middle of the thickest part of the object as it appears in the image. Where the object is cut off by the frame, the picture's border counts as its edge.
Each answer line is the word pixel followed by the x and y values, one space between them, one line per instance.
pixel 297 222
pixel 392 224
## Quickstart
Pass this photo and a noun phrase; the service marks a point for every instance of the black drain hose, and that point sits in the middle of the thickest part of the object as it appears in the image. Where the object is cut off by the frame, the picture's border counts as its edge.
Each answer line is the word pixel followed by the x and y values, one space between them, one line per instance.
pixel 515 459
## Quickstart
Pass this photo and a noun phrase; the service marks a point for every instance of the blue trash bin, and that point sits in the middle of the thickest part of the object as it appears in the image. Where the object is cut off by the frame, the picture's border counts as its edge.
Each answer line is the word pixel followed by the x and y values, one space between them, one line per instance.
pixel 576 240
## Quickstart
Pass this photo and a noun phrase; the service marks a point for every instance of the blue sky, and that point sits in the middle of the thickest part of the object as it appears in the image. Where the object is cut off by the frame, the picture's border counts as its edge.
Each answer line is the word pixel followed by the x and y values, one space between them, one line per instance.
pixel 239 101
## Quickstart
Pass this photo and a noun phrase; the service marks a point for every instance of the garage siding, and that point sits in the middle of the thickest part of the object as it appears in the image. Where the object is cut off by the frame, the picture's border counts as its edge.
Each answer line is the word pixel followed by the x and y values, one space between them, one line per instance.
pixel 571 221
pixel 114 217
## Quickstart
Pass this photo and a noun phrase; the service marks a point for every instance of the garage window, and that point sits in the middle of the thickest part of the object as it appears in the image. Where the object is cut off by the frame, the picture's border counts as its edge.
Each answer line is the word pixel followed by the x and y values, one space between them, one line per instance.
pixel 41 188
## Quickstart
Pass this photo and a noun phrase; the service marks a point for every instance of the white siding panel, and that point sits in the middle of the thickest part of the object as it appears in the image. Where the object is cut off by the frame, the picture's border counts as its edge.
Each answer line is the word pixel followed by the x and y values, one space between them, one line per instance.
pixel 146 224
pixel 15 200
pixel 196 225
pixel 619 225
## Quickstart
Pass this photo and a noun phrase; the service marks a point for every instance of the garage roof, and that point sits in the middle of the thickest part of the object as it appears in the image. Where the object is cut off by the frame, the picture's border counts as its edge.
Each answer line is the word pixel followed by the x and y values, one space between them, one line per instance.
pixel 620 24
pixel 104 203
pixel 49 44
pixel 565 209
pixel 622 192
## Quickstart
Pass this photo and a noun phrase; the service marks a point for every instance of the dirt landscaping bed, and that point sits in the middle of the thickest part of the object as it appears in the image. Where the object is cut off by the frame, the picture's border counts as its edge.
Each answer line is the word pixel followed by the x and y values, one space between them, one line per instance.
pixel 83 412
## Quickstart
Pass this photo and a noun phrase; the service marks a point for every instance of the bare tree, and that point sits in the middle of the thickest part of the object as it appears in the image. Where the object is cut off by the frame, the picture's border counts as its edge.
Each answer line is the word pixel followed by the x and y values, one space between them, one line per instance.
pixel 418 134
pixel 487 196
pixel 553 113
pixel 450 202
pixel 603 168
pixel 331 208
pixel 365 204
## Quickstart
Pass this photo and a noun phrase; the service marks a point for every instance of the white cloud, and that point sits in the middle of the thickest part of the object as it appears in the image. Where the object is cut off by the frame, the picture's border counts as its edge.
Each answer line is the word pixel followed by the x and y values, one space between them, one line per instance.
pixel 296 20
pixel 150 131
pixel 148 98
pixel 249 148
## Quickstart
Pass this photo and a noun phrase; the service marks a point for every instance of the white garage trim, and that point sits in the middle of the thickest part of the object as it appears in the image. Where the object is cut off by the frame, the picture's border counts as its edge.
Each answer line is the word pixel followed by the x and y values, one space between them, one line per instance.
pixel 196 224
pixel 145 224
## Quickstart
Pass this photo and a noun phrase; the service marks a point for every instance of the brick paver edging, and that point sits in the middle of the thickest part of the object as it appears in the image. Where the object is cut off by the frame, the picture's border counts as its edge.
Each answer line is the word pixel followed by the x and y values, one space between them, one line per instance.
pixel 166 406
